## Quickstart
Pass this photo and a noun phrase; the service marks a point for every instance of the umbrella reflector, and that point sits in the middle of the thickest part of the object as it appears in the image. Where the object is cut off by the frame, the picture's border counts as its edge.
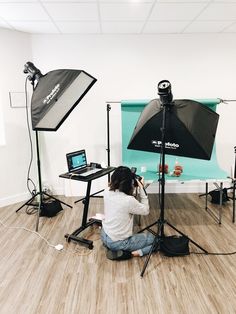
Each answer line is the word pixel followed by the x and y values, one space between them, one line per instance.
pixel 190 129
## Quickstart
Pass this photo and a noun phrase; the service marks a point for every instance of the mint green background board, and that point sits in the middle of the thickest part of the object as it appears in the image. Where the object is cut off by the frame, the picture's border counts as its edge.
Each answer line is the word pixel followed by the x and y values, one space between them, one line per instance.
pixel 193 169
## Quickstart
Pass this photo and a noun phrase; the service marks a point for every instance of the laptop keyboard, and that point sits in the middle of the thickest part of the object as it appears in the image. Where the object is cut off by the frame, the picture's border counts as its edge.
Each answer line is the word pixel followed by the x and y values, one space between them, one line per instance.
pixel 89 172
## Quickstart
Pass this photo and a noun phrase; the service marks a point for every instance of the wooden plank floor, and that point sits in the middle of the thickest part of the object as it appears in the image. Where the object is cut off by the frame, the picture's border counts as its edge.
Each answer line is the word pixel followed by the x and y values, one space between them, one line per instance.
pixel 36 278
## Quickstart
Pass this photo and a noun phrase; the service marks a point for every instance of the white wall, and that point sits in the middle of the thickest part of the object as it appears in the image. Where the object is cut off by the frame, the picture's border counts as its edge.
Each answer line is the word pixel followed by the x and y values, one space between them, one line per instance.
pixel 14 53
pixel 129 67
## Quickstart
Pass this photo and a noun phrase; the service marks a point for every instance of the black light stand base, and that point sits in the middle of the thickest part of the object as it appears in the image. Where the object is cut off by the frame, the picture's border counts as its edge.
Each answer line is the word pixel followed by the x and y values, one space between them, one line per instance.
pixel 159 238
pixel 40 204
pixel 30 201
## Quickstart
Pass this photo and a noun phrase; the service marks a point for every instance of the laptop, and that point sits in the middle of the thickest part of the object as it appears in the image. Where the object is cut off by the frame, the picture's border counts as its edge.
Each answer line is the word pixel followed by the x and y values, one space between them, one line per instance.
pixel 77 164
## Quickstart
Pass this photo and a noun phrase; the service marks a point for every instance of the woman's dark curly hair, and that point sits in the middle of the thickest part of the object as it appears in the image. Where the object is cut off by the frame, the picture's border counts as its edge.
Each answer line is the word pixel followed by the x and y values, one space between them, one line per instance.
pixel 122 179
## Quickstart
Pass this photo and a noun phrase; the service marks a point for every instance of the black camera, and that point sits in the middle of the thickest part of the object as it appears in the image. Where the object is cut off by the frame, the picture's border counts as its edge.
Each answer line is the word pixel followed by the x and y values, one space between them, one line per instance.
pixel 135 176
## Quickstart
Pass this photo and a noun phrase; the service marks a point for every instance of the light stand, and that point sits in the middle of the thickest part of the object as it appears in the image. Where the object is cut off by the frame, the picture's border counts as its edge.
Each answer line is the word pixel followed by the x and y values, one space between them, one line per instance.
pixel 108 139
pixel 35 74
pixel 164 91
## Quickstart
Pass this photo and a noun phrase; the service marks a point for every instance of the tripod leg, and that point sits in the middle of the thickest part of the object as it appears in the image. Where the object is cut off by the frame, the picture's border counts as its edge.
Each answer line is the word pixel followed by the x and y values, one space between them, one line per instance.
pixel 173 227
pixel 155 243
pixel 146 228
pixel 28 202
pixel 38 215
pixel 56 199
pixel 234 186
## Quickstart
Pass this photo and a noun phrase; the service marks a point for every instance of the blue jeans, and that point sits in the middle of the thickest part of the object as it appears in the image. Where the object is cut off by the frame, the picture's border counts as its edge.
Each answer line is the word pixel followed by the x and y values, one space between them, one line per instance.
pixel 141 242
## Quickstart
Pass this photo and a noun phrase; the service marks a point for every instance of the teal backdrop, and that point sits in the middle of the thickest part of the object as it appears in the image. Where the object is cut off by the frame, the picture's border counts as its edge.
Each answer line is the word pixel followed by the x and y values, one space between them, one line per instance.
pixel 193 169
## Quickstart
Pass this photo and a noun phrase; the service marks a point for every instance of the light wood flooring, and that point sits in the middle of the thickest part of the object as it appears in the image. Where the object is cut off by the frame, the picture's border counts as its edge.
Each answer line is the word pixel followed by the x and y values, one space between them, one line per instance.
pixel 36 278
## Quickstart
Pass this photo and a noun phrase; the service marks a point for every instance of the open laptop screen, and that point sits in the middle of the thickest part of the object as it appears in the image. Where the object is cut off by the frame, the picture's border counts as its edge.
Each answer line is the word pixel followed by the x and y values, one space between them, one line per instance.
pixel 76 160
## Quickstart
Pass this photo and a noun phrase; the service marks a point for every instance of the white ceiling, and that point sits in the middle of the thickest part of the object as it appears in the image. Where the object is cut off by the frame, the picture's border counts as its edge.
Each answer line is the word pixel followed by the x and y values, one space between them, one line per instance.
pixel 119 16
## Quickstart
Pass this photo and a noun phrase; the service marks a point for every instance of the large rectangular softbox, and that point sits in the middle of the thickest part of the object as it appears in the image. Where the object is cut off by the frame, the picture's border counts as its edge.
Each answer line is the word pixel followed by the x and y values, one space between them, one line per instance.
pixel 56 95
pixel 190 129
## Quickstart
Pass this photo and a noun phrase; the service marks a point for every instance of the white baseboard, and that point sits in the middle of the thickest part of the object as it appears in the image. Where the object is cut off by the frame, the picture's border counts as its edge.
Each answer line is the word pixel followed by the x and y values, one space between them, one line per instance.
pixel 14 199
pixel 22 197
pixel 172 186
pixel 192 186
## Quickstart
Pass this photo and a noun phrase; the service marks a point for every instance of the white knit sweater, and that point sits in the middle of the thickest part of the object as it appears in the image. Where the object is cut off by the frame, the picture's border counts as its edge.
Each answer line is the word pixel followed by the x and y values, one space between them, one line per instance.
pixel 119 209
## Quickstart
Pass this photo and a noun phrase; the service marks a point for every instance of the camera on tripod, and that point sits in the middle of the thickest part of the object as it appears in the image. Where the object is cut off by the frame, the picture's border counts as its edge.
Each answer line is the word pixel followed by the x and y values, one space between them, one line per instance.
pixel 135 176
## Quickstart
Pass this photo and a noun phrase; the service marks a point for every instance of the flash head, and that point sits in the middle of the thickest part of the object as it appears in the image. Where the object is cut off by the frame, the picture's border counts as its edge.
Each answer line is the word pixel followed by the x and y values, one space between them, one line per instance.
pixel 34 73
pixel 164 91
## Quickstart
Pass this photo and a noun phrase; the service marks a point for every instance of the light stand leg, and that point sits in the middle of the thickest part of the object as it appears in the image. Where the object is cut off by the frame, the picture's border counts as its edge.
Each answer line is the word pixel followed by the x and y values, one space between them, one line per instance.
pixel 161 221
pixel 155 244
pixel 40 193
pixel 234 186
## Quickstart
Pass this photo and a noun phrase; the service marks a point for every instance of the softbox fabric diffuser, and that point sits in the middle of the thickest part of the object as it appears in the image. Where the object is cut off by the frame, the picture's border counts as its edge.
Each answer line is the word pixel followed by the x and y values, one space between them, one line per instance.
pixel 56 95
pixel 189 130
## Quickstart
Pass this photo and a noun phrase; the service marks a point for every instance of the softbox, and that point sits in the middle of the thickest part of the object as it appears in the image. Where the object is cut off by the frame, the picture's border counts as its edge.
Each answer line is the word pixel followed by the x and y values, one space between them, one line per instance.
pixel 56 95
pixel 190 129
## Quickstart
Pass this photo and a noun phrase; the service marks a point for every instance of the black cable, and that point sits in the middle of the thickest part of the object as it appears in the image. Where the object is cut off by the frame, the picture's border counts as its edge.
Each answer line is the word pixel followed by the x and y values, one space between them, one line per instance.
pixel 213 253
pixel 29 180
pixel 31 209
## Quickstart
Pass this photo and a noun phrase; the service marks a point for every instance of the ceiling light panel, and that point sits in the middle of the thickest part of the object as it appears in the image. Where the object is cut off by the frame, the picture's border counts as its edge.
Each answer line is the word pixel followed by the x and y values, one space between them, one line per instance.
pixel 207 27
pixel 35 27
pixel 72 11
pixel 126 1
pixel 17 1
pixel 165 27
pixel 23 11
pixel 122 27
pixel 176 11
pixel 185 1
pixel 219 11
pixel 230 29
pixel 65 1
pixel 4 24
pixel 79 27
pixel 124 11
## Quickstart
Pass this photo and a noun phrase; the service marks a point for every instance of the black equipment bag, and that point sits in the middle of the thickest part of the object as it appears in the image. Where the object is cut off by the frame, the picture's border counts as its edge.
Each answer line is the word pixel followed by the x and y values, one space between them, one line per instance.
pixel 175 246
pixel 215 196
pixel 50 209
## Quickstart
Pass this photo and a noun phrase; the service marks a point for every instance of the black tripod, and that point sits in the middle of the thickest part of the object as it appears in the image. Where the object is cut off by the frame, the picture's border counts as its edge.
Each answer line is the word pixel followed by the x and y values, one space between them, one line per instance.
pixel 40 193
pixel 166 98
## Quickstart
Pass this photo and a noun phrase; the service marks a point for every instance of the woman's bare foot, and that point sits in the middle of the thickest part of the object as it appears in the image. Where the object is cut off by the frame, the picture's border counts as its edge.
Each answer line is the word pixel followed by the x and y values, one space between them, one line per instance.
pixel 135 253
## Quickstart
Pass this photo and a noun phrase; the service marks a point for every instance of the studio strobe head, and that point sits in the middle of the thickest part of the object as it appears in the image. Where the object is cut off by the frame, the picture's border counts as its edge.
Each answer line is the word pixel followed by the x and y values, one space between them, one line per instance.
pixel 164 91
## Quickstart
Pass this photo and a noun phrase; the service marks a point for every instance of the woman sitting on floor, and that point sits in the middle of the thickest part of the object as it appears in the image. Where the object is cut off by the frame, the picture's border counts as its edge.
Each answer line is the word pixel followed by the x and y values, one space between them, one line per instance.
pixel 120 206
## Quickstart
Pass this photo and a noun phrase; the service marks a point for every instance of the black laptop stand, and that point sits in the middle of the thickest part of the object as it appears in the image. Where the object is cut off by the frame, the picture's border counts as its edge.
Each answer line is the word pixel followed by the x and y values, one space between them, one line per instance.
pixel 74 236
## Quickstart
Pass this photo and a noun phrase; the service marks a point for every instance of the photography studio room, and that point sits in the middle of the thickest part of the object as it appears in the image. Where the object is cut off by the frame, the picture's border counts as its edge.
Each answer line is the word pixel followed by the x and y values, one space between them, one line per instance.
pixel 118 156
